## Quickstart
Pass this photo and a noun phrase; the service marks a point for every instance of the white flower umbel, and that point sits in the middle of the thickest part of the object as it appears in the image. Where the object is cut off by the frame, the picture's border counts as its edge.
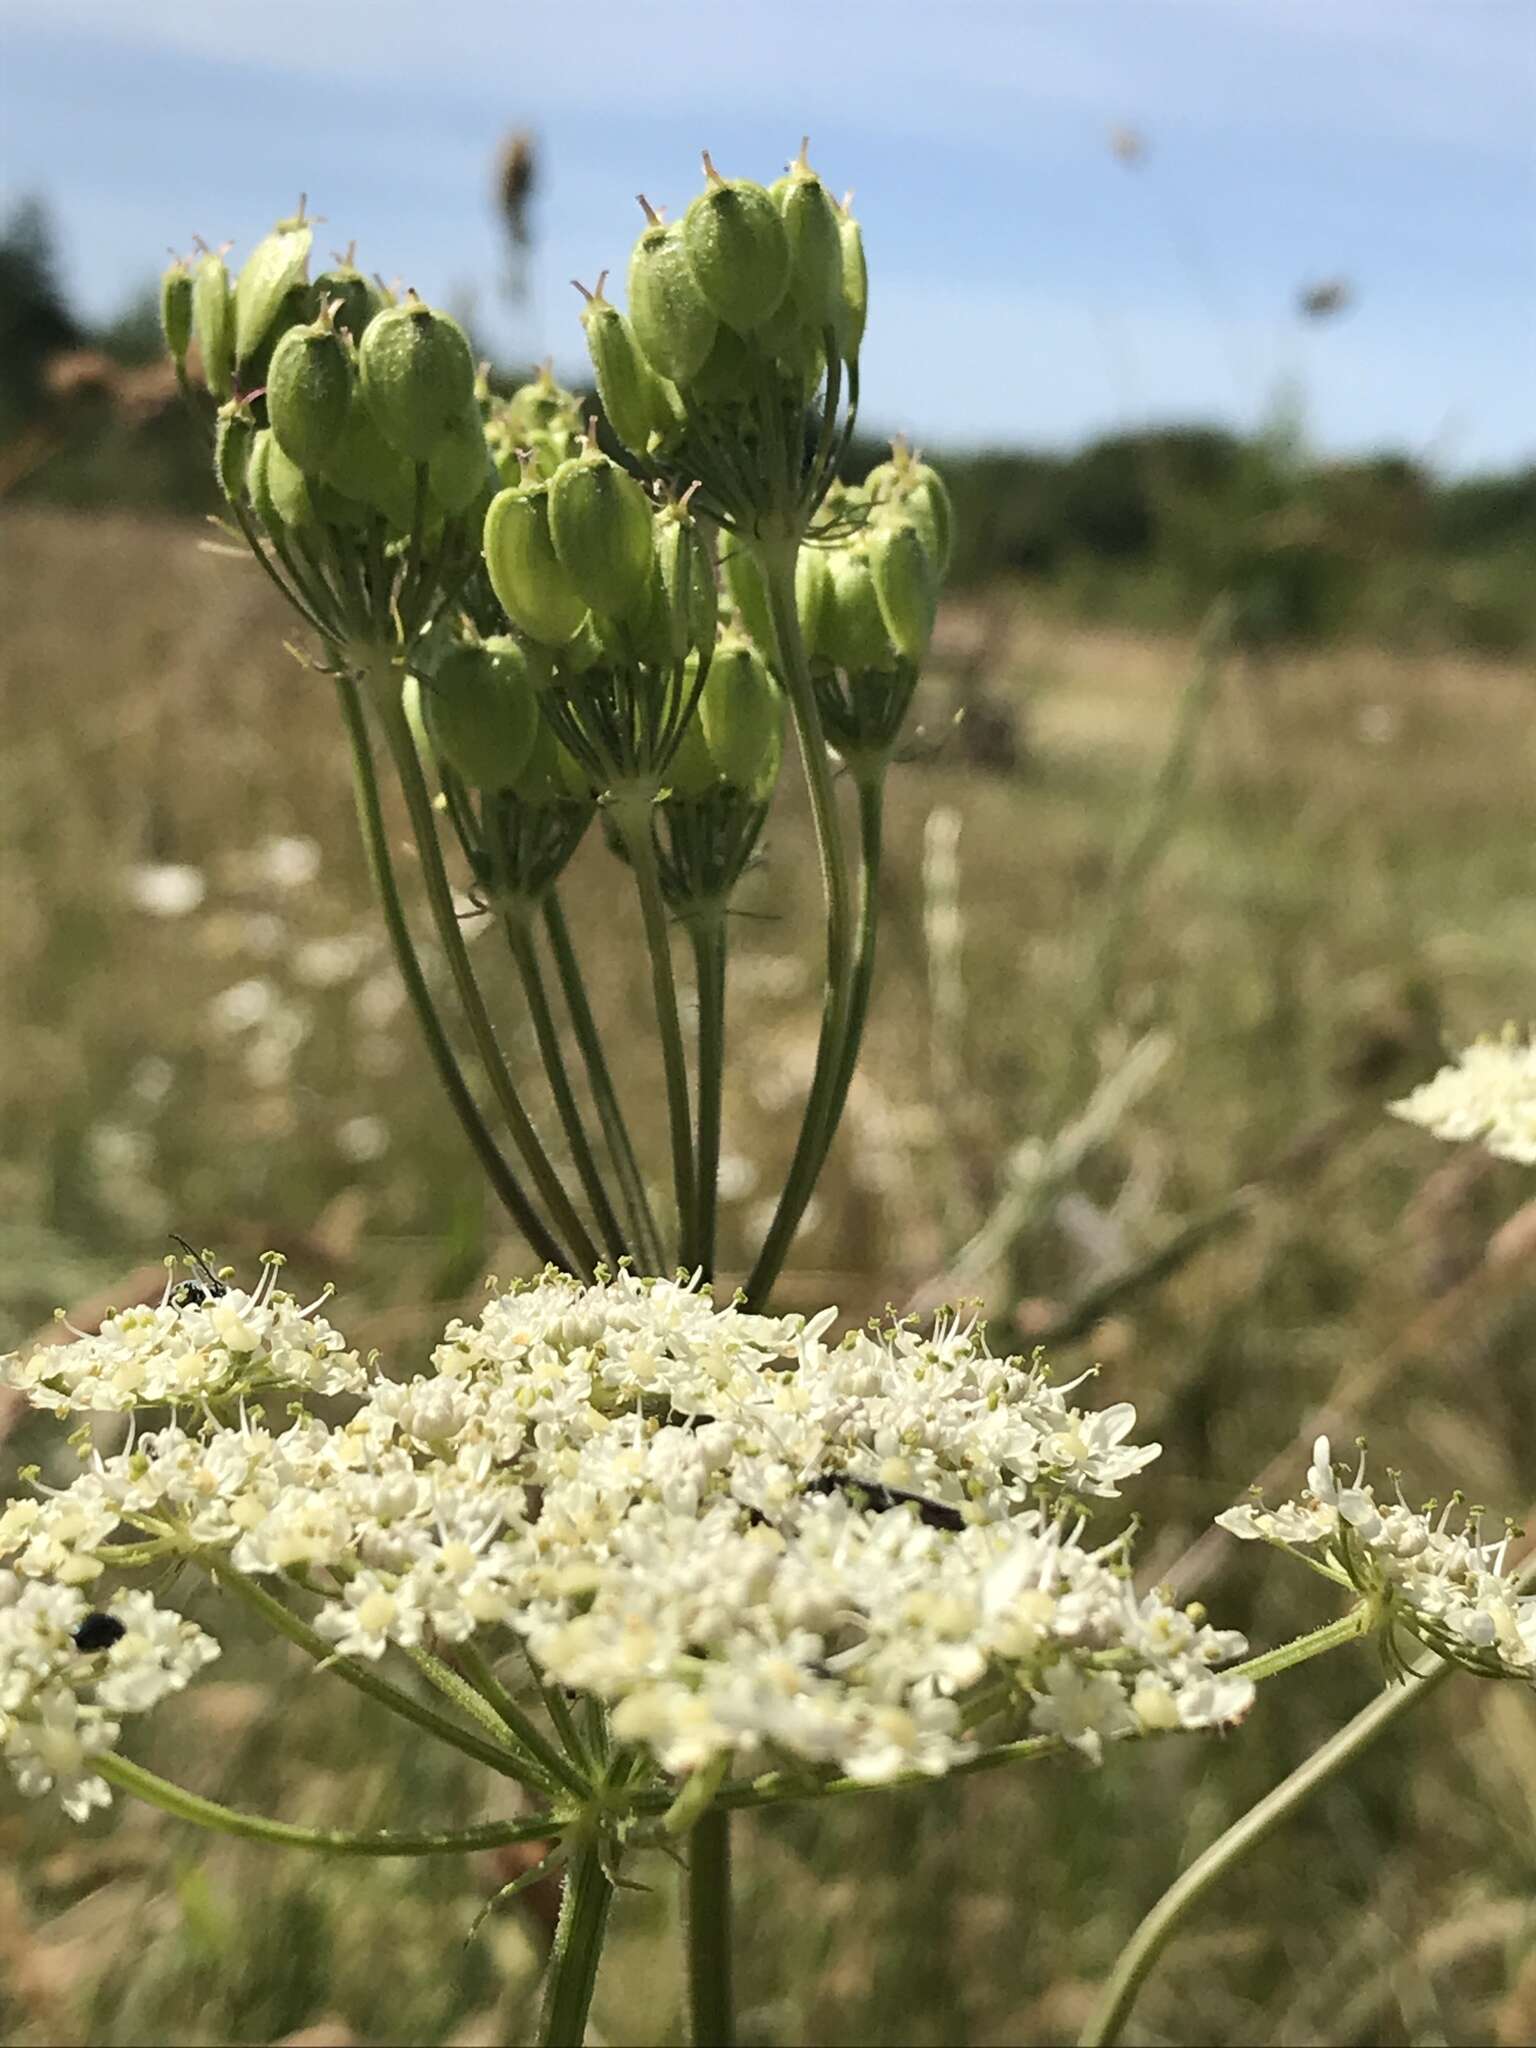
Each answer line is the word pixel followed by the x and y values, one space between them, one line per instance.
pixel 757 1548
pixel 68 1671
pixel 1429 1571
pixel 205 1340
pixel 1489 1095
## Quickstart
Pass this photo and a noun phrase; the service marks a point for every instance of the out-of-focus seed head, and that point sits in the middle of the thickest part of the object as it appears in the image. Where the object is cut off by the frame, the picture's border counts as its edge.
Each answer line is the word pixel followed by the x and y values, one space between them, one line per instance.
pixel 276 267
pixel 672 320
pixel 738 250
pixel 418 376
pixel 600 523
pixel 482 710
pixel 309 392
pixel 534 588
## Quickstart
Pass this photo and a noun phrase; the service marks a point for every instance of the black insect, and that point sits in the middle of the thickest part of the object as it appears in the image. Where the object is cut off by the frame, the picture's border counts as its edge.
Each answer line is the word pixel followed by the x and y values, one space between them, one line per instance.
pixel 206 1287
pixel 99 1632
pixel 936 1514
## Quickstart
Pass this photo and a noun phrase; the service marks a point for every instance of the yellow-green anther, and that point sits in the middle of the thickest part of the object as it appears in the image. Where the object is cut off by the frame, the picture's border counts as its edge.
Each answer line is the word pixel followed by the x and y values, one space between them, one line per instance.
pixel 600 523
pixel 535 591
pixel 309 393
pixel 671 319
pixel 482 710
pixel 906 585
pixel 738 250
pixel 418 376
pixel 213 323
pixel 278 263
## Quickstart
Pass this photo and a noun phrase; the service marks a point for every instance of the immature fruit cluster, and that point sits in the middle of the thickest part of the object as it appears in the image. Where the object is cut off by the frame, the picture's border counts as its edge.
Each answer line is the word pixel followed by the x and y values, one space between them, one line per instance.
pixel 344 398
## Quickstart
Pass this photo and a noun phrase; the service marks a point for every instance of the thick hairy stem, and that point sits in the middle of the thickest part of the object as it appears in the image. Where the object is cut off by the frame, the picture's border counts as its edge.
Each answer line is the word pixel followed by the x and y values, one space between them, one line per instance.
pixel 503 1182
pixel 709 952
pixel 711 1999
pixel 777 565
pixel 633 818
pixel 584 1902
pixel 583 1253
pixel 227 1820
pixel 525 955
pixel 637 1205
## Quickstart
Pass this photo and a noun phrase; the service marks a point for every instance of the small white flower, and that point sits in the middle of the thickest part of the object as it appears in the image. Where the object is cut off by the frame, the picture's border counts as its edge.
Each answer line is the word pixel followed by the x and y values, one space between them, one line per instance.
pixel 165 888
pixel 1488 1094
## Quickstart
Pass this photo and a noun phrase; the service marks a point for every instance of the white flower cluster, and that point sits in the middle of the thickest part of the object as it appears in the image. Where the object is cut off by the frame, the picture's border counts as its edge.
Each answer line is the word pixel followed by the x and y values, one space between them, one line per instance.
pixel 67 1671
pixel 1489 1094
pixel 203 1341
pixel 1444 1584
pixel 758 1547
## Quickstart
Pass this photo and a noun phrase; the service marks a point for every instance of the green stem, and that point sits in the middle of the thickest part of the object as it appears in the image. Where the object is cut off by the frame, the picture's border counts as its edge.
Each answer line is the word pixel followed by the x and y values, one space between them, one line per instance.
pixel 711 2002
pixel 384 679
pixel 585 1899
pixel 479 1673
pixel 1358 1622
pixel 286 1623
pixel 227 1820
pixel 637 1203
pixel 370 813
pixel 871 788
pixel 709 952
pixel 633 819
pixel 777 565
pixel 526 959
pixel 1255 1826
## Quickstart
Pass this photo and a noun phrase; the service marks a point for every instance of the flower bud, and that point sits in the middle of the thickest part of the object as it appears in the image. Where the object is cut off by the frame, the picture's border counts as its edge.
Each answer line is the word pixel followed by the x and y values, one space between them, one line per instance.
pixel 233 433
pixel 600 523
pixel 853 635
pixel 742 713
pixel 738 250
pixel 813 227
pixel 905 585
pixel 277 264
pixel 482 710
pixel 671 320
pixel 534 589
pixel 176 313
pixel 460 471
pixel 362 466
pixel 638 404
pixel 749 594
pixel 417 375
pixel 213 323
pixel 855 287
pixel 309 393
pixel 353 298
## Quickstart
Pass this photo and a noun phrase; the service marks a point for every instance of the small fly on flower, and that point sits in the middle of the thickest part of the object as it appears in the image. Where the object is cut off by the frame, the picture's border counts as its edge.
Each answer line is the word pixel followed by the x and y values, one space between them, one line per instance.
pixel 867 1493
pixel 207 1286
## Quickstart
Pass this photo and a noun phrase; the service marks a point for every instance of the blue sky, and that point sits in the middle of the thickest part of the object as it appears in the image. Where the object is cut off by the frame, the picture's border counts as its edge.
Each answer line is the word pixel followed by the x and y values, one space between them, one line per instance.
pixel 1027 287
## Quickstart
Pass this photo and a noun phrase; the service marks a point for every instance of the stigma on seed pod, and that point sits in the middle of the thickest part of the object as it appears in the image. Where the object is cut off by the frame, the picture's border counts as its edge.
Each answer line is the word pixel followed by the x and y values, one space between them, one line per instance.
pixel 653 218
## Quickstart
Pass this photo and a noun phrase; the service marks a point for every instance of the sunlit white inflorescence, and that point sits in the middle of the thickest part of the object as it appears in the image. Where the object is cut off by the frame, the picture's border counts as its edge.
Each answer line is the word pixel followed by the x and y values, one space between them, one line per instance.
pixel 1489 1094
pixel 757 1547
pixel 1430 1570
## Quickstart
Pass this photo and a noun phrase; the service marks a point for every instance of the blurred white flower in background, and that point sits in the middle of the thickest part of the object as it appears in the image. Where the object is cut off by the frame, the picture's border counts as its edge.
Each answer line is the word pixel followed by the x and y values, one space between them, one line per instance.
pixel 165 888
pixel 1489 1094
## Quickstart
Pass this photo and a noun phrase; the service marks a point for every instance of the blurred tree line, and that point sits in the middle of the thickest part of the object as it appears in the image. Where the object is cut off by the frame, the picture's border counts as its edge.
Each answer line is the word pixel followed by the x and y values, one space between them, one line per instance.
pixel 1141 528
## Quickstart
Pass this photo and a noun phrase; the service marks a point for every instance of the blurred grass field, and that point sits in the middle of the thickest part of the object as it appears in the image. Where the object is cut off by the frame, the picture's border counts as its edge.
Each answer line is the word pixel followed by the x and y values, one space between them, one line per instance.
pixel 202 1034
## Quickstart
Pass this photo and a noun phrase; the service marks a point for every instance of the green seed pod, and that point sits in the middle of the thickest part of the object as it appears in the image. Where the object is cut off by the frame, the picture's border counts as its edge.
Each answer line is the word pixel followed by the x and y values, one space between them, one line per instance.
pixel 926 502
pixel 727 375
pixel 737 249
pixel 286 488
pixel 541 407
pixel 353 298
pixel 257 484
pixel 854 635
pixel 692 770
pixel 551 774
pixel 814 228
pixel 417 375
pixel 905 585
pixel 233 433
pixel 635 400
pixel 482 710
pixel 176 313
pixel 277 264
pixel 362 466
pixel 309 393
pixel 460 471
pixel 742 712
pixel 600 523
pixel 672 323
pixel 534 589
pixel 748 592
pixel 855 309
pixel 814 601
pixel 690 599
pixel 213 323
